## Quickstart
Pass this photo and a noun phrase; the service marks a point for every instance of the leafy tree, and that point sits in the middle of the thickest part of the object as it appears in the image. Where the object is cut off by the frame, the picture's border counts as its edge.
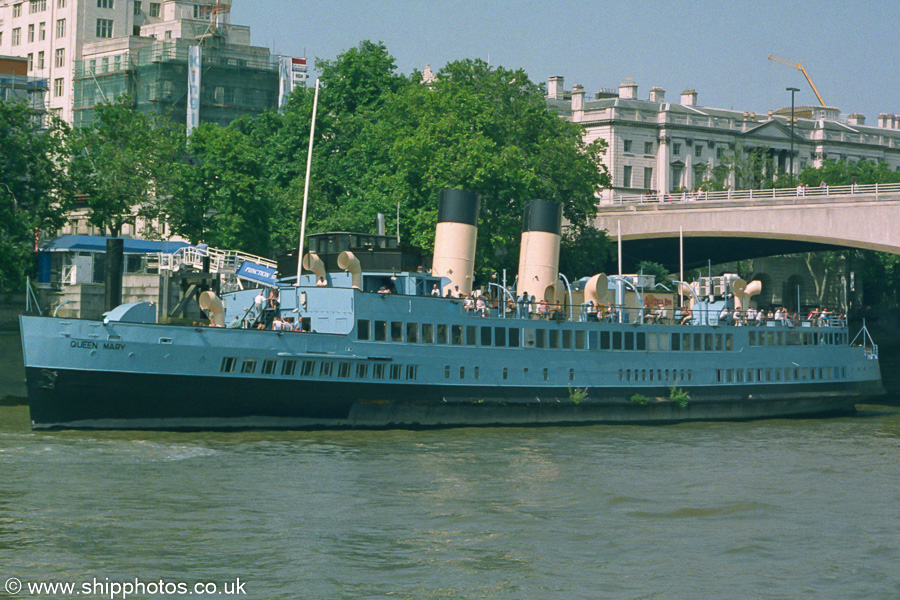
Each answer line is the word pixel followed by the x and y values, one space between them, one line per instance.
pixel 122 161
pixel 842 172
pixel 584 251
pixel 219 197
pixel 33 185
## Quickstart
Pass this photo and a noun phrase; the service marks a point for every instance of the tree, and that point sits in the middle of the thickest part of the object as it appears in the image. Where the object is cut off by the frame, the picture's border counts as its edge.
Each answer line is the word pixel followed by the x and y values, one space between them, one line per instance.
pixel 219 197
pixel 121 163
pixel 33 185
pixel 476 127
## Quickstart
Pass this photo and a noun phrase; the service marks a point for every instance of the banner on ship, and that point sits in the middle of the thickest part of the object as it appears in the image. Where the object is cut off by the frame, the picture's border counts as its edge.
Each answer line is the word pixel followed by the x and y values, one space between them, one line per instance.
pixel 258 273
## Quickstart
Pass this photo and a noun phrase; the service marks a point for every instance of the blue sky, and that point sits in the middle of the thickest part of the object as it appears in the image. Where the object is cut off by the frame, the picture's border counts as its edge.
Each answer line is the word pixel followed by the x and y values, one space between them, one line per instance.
pixel 719 48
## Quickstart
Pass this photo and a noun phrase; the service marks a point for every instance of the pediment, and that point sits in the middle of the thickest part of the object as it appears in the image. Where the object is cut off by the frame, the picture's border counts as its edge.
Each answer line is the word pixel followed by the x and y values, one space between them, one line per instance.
pixel 770 130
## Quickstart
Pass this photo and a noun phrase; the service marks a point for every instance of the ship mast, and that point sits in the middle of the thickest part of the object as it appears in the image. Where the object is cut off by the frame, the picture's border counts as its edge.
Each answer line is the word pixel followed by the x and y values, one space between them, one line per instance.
pixel 312 131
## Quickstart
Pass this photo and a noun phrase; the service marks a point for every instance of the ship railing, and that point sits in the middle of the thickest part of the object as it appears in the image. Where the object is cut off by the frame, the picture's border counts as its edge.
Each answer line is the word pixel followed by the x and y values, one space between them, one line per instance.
pixel 220 261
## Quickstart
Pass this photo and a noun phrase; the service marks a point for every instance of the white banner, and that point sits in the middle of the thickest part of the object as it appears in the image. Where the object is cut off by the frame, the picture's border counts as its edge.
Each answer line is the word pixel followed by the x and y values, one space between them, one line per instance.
pixel 284 80
pixel 193 95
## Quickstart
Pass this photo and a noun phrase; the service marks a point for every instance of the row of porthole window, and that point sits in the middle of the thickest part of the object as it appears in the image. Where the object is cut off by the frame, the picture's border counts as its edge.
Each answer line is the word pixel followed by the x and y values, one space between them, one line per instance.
pixel 544 374
pixel 780 374
pixel 551 338
pixel 320 368
pixel 670 375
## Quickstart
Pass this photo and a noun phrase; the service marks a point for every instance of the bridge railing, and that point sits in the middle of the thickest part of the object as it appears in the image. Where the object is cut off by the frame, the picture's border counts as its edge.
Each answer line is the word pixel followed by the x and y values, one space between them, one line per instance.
pixel 741 195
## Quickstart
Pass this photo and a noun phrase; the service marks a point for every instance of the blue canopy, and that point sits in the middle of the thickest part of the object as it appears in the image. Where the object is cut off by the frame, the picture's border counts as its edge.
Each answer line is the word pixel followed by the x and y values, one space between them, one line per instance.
pixel 93 243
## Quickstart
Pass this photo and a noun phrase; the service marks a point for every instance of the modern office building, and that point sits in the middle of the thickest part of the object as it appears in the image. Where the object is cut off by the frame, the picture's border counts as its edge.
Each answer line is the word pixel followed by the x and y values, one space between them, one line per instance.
pixel 662 146
pixel 95 50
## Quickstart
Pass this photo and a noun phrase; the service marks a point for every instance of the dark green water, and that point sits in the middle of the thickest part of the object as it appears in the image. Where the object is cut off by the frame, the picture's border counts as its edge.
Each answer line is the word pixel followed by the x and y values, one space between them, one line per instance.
pixel 770 509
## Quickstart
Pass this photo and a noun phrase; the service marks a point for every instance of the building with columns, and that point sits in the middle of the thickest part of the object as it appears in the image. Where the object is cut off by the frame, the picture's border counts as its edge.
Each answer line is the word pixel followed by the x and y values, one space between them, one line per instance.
pixel 664 146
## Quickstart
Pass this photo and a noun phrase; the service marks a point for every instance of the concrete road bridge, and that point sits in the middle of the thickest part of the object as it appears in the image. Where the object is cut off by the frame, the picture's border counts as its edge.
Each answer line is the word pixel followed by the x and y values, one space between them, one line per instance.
pixel 742 224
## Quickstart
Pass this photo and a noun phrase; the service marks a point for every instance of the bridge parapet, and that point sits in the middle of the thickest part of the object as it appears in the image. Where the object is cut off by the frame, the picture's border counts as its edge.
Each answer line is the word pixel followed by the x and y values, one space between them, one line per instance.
pixel 853 192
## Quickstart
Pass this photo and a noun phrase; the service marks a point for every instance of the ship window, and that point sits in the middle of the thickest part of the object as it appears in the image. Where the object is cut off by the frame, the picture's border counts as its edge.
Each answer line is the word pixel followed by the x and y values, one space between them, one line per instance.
pixel 651 374
pixel 593 343
pixel 308 369
pixel 462 372
pixel 378 371
pixel 720 376
pixel 442 334
pixel 620 374
pixel 729 342
pixel 770 338
pixel 513 338
pixel 627 374
pixel 676 341
pixel 485 336
pixel 777 374
pixel 228 364
pixel 759 375
pixel 343 369
pixel 729 375
pixel 326 368
pixel 751 338
pixel 739 375
pixel 427 333
pixel 804 373
pixel 268 366
pixel 380 331
pixel 500 336
pixel 664 341
pixel 571 374
pixel 505 373
pixel 698 342
pixel 289 367
pixel 546 373
pixel 446 371
pixel 396 371
pixel 396 331
pixel 567 339
pixel 471 333
pixel 457 335
pixel 554 338
pixel 476 371
pixel 641 339
pixel 605 337
pixel 843 372
pixel 787 374
pixel 617 340
pixel 719 342
pixel 579 340
pixel 685 342
pixel 540 338
pixel 780 340
pixel 411 372
pixel 165 340
pixel 528 336
pixel 689 375
pixel 362 329
pixel 643 375
pixel 769 374
pixel 652 343
pixel 412 333
pixel 629 340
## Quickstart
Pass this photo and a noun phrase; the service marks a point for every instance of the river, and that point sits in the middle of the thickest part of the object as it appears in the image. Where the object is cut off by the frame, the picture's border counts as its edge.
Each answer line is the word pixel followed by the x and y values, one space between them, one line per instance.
pixel 805 508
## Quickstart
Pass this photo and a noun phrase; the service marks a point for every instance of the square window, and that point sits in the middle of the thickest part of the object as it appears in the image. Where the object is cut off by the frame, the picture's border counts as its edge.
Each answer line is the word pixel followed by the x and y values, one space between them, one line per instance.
pixel 137 7
pixel 60 28
pixel 154 9
pixel 104 28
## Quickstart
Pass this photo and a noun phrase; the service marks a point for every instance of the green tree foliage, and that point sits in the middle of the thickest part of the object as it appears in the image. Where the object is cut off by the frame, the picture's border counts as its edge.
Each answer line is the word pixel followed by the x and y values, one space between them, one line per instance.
pixel 842 172
pixel 33 185
pixel 123 161
pixel 219 196
pixel 476 127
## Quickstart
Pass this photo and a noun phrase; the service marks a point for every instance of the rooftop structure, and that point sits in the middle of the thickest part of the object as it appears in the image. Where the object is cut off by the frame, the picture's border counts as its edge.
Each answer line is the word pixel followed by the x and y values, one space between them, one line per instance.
pixel 17 85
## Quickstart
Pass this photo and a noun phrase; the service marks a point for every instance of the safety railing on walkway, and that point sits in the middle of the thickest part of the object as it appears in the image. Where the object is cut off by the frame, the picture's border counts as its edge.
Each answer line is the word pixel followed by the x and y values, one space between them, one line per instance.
pixel 220 261
pixel 847 191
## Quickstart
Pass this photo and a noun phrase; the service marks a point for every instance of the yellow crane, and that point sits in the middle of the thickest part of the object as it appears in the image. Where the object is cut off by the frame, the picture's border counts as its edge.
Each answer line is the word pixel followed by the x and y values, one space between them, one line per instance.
pixel 799 67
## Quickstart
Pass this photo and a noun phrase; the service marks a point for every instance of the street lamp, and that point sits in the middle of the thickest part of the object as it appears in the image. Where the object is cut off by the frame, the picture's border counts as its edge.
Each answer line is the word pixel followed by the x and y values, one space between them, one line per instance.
pixel 793 91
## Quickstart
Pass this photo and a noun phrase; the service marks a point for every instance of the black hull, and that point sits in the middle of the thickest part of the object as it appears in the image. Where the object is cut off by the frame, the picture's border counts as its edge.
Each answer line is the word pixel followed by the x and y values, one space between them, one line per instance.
pixel 115 400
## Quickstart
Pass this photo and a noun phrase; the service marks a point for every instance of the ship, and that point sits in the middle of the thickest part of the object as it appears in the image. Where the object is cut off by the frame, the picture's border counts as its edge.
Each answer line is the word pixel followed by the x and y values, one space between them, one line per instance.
pixel 364 342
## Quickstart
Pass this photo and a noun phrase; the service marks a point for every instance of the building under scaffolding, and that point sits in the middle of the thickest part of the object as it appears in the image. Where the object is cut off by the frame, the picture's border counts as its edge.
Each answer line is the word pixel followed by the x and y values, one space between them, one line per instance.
pixel 235 80
pixel 17 86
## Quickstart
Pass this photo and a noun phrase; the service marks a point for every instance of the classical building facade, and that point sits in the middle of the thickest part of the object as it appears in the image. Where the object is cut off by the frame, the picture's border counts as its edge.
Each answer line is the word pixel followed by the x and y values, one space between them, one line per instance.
pixel 661 146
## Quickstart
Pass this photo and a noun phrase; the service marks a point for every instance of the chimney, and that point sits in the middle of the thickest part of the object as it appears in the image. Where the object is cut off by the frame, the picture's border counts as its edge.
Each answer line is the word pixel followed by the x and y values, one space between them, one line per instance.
pixel 555 87
pixel 577 101
pixel 856 119
pixel 454 238
pixel 539 252
pixel 657 94
pixel 884 120
pixel 689 98
pixel 628 90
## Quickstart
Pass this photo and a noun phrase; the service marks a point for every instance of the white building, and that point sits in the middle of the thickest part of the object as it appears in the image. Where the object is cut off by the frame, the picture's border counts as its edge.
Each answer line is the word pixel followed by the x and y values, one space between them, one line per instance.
pixel 661 146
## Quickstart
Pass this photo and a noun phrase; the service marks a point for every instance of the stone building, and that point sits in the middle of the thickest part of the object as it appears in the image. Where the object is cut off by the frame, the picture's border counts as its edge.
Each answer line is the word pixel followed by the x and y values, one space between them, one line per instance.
pixel 664 146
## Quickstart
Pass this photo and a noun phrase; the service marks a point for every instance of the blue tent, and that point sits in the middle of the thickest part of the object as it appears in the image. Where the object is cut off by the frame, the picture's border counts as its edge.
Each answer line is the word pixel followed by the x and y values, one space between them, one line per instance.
pixel 94 243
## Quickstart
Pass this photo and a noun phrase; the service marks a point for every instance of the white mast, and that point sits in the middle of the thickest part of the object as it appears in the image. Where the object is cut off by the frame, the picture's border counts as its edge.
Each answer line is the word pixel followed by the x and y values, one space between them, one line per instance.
pixel 312 131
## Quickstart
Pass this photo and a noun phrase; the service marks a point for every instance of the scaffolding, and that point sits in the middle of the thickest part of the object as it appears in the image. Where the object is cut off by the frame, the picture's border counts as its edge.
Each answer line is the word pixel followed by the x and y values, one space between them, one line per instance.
pixel 236 80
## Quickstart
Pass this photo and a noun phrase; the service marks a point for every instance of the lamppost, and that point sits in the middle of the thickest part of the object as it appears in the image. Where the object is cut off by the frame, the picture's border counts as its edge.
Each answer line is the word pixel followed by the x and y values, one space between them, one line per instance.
pixel 793 91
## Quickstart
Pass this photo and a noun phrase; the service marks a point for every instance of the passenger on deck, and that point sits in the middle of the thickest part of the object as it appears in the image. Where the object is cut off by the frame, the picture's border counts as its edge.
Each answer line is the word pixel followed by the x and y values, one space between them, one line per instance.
pixel 591 311
pixel 436 291
pixel 321 282
pixel 259 303
pixel 469 303
pixel 723 316
pixel 480 306
pixel 686 316
pixel 520 304
pixel 751 316
pixel 236 324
